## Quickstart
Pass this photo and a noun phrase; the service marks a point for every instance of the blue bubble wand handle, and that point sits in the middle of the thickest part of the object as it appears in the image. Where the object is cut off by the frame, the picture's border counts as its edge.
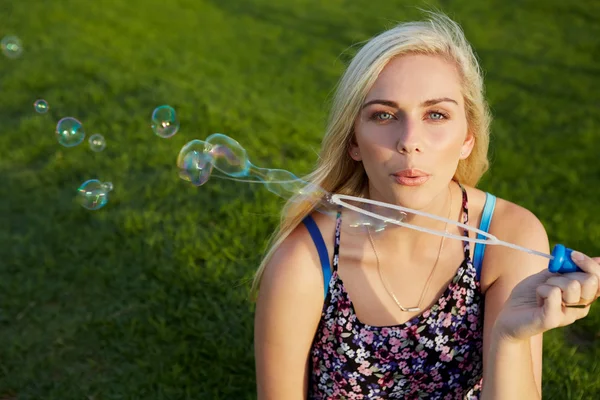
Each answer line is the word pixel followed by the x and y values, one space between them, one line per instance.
pixel 561 262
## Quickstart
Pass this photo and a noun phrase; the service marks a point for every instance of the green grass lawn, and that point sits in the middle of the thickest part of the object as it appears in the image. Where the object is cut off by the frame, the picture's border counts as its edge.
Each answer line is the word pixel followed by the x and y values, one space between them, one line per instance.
pixel 147 298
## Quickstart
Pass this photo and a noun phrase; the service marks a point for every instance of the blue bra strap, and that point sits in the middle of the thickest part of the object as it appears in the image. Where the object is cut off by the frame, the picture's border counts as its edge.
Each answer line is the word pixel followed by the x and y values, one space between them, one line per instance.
pixel 486 219
pixel 315 233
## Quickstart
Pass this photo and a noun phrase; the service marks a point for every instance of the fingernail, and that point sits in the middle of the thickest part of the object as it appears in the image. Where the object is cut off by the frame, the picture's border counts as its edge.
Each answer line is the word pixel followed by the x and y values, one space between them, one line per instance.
pixel 577 256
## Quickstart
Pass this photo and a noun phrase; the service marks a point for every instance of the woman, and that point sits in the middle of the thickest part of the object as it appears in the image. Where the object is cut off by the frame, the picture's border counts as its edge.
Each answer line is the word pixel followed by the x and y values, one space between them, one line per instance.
pixel 406 315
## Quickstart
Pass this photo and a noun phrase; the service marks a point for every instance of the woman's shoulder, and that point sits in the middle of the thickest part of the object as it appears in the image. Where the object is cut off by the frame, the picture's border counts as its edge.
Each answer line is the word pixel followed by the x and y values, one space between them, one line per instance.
pixel 512 223
pixel 288 307
pixel 296 263
pixel 508 216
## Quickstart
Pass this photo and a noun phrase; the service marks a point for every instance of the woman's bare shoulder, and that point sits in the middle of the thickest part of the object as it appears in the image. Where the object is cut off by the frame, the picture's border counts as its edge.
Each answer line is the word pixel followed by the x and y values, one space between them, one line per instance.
pixel 515 224
pixel 507 215
pixel 296 261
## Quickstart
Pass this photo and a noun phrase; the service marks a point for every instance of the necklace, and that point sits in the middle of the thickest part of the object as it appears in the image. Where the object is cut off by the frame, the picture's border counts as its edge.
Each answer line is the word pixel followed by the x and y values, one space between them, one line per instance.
pixel 417 308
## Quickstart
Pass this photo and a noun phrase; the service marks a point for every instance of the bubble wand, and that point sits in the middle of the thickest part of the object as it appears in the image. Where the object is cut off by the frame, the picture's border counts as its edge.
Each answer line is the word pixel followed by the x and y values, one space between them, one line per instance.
pixel 197 159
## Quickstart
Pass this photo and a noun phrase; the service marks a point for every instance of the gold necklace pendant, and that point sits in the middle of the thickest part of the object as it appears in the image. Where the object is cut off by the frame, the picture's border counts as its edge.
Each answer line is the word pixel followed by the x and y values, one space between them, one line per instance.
pixel 405 309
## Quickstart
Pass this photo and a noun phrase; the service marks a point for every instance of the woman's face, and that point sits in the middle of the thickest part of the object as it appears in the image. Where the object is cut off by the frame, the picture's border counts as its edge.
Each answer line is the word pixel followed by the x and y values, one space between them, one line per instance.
pixel 412 124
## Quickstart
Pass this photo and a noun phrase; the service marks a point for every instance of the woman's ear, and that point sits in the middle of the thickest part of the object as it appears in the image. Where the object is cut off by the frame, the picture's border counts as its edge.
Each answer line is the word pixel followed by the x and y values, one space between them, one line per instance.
pixel 353 149
pixel 467 146
pixel 354 152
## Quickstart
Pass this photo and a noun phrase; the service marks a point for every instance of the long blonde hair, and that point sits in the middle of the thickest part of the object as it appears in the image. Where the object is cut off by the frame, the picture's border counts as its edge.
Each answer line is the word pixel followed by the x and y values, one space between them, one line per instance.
pixel 336 172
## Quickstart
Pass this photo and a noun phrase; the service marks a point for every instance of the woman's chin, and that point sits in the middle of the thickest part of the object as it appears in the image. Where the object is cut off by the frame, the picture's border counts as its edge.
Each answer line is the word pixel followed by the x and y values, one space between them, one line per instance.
pixel 414 199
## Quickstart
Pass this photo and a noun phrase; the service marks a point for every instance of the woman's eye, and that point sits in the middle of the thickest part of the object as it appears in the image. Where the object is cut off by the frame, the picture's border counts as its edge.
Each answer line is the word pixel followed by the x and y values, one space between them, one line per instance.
pixel 437 115
pixel 382 116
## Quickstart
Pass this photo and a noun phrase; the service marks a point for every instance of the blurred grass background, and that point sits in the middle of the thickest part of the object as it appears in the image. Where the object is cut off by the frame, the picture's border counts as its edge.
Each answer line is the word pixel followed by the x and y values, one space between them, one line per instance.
pixel 147 298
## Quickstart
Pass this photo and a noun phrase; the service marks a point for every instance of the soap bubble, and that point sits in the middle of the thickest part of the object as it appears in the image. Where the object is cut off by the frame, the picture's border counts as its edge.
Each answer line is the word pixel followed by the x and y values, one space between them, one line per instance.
pixel 230 157
pixel 197 158
pixel 97 142
pixel 164 121
pixel 11 46
pixel 69 132
pixel 195 162
pixel 93 194
pixel 41 106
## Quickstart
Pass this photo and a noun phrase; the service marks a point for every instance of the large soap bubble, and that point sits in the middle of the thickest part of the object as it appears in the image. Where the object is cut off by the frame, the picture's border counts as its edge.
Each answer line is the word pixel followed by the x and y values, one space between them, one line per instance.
pixel 195 162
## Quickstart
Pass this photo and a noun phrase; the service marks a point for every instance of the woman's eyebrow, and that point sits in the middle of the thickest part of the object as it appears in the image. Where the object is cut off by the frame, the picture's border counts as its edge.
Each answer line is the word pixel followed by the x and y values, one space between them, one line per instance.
pixel 426 103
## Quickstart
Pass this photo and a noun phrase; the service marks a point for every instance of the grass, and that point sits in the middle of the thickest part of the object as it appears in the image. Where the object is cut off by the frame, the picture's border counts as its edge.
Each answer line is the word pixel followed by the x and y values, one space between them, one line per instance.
pixel 147 298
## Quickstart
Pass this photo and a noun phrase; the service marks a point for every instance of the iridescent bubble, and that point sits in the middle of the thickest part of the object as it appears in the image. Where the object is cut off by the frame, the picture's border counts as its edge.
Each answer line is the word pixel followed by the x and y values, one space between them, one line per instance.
pixel 97 142
pixel 283 183
pixel 93 194
pixel 11 46
pixel 69 132
pixel 195 162
pixel 230 157
pixel 41 106
pixel 164 121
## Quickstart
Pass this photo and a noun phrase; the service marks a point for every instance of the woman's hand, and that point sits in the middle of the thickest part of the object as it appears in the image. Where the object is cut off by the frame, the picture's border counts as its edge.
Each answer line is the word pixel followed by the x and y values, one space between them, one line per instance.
pixel 548 300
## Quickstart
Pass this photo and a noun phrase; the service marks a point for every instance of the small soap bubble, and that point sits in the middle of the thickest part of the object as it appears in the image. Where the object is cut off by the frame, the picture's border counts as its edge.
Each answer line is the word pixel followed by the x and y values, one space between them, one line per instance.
pixel 97 142
pixel 164 121
pixel 93 194
pixel 11 46
pixel 69 132
pixel 41 106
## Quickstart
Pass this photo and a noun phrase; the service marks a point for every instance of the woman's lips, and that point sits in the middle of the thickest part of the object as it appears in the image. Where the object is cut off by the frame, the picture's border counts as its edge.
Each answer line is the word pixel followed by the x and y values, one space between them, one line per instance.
pixel 411 181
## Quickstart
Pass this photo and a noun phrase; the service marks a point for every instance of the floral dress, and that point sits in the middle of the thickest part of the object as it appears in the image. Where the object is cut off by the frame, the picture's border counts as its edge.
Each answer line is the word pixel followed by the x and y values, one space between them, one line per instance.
pixel 435 355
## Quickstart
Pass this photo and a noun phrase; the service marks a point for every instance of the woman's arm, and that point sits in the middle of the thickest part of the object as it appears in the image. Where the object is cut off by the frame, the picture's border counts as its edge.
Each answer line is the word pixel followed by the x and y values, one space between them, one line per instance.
pixel 512 369
pixel 508 374
pixel 288 311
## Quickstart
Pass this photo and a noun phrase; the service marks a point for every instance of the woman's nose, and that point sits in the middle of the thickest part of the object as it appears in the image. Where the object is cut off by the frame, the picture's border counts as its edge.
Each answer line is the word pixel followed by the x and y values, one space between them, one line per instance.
pixel 409 140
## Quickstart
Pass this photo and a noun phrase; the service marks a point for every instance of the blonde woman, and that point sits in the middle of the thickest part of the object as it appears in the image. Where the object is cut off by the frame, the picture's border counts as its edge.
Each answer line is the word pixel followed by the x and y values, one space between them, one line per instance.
pixel 407 315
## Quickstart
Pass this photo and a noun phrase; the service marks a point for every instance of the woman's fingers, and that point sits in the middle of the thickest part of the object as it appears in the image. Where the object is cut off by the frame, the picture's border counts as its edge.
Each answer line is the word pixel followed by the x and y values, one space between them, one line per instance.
pixel 587 264
pixel 551 297
pixel 556 312
pixel 576 287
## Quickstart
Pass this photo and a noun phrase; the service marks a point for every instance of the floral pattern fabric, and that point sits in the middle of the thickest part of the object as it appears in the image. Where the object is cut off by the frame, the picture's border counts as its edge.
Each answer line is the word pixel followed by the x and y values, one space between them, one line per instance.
pixel 435 355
